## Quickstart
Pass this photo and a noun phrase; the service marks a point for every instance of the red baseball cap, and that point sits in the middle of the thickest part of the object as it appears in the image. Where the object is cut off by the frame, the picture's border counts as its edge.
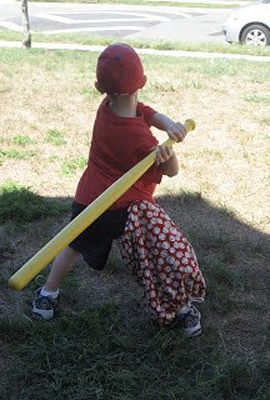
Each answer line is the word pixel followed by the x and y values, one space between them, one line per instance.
pixel 119 70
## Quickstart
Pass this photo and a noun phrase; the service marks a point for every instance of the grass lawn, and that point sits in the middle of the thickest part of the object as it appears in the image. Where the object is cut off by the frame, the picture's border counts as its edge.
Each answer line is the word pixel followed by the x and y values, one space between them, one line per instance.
pixel 102 345
pixel 88 39
pixel 94 39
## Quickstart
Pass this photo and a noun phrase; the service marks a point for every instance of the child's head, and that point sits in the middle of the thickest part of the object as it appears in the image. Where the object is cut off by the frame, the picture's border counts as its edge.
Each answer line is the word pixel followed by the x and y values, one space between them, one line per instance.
pixel 119 70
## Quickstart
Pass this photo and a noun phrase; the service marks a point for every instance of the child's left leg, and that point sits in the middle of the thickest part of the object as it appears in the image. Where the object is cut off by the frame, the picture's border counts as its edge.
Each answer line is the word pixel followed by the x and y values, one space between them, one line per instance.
pixel 165 264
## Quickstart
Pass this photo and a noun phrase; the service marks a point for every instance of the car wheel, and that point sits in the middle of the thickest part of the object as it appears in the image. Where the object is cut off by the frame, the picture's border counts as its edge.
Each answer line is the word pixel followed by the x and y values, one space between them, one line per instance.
pixel 256 35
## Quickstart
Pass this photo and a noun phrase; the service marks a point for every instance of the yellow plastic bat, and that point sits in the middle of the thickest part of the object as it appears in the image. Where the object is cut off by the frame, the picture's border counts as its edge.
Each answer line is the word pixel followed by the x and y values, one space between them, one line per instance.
pixel 41 259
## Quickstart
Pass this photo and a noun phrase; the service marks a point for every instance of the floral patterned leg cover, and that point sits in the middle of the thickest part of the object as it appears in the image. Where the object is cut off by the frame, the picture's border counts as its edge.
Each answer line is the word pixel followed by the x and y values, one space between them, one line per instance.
pixel 162 259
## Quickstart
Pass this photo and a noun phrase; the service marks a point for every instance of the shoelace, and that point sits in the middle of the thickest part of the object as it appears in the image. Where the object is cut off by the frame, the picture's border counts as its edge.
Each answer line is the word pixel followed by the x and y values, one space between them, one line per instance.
pixel 40 280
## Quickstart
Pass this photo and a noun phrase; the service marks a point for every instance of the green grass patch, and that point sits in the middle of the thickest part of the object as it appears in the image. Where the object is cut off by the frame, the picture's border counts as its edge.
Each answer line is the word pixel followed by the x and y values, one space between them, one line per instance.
pixel 71 166
pixel 88 39
pixel 254 98
pixel 54 158
pixel 264 121
pixel 20 204
pixel 16 154
pixel 55 137
pixel 23 140
pixel 98 355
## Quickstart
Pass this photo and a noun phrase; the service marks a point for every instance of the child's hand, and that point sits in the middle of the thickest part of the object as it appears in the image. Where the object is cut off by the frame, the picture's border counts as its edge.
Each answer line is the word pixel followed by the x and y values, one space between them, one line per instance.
pixel 176 131
pixel 163 154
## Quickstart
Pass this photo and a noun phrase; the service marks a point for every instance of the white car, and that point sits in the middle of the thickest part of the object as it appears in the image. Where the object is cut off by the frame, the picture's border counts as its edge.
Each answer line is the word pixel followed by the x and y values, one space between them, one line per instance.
pixel 249 24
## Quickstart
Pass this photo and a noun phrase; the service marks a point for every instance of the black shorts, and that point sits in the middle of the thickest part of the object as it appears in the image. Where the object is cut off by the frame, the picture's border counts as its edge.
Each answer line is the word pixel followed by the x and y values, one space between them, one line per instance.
pixel 95 242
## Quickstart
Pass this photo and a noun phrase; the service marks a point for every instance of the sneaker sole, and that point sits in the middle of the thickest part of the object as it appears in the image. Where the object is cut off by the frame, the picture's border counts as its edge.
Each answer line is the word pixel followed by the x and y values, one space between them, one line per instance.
pixel 43 314
pixel 193 334
pixel 193 331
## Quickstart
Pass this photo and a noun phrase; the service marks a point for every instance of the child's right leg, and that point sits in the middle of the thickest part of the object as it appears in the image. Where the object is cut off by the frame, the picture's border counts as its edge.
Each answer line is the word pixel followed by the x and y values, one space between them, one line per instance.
pixel 93 244
pixel 63 263
pixel 45 297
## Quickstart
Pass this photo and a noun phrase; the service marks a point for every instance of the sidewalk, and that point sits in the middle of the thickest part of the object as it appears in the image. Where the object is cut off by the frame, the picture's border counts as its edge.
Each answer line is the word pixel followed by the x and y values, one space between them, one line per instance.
pixel 224 2
pixel 167 53
pixel 240 2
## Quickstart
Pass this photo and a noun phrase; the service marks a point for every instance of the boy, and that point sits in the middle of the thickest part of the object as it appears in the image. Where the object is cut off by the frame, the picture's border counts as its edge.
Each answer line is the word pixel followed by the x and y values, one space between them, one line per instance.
pixel 121 138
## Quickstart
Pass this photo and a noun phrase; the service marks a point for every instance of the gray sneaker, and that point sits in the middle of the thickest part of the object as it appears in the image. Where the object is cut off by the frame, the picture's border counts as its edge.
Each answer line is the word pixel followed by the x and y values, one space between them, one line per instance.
pixel 43 307
pixel 190 321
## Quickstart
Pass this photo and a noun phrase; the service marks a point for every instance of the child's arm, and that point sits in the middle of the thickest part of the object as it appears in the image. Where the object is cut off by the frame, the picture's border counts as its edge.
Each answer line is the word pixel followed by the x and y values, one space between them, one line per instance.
pixel 176 131
pixel 166 158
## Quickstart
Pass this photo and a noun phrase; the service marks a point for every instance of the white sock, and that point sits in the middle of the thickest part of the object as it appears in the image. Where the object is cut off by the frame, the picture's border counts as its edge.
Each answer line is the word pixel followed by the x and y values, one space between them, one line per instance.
pixel 46 293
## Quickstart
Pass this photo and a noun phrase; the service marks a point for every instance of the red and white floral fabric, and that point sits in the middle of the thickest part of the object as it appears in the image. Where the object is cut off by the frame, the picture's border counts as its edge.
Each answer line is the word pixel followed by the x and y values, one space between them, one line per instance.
pixel 162 259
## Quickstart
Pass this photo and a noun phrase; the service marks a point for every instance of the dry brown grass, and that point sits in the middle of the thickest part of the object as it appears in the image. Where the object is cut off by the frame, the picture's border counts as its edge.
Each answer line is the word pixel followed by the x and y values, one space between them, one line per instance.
pixel 226 159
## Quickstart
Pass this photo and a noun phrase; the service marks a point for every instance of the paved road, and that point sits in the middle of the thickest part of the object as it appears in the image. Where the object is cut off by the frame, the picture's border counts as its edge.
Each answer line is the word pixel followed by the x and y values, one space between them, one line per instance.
pixel 163 23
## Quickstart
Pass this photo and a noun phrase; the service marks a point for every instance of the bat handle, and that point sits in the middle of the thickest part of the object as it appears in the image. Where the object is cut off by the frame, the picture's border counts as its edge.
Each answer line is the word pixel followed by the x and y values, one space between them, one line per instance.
pixel 189 125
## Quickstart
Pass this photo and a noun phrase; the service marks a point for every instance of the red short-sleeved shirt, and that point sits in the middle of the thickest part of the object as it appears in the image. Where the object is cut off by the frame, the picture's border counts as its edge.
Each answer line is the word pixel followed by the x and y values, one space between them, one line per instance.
pixel 117 145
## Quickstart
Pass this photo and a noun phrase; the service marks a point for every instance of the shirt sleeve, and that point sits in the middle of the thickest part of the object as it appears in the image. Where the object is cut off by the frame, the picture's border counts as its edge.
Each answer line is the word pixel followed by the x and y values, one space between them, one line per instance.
pixel 146 111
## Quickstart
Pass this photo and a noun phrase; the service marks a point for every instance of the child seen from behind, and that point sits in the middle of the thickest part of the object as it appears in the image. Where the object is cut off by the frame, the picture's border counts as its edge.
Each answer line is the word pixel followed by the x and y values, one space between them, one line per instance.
pixel 161 258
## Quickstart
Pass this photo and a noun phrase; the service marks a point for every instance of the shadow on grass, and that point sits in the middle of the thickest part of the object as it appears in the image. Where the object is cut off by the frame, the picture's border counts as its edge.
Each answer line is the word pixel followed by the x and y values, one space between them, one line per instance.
pixel 113 351
pixel 231 253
